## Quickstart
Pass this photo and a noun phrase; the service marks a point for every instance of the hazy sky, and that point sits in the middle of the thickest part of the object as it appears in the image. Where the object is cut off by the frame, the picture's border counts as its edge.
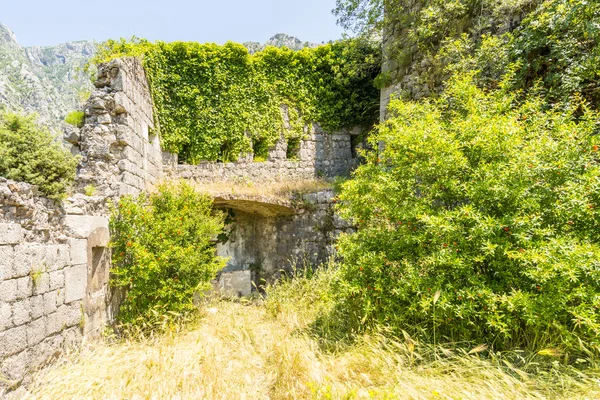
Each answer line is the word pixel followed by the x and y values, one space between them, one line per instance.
pixel 49 22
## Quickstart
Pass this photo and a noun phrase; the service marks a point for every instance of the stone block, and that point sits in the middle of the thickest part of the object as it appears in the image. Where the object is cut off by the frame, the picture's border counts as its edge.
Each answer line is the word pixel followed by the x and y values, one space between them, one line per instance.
pixel 50 302
pixel 57 280
pixel 7 255
pixel 21 312
pixel 75 283
pixel 235 283
pixel 53 324
pixel 81 226
pixel 71 314
pixel 5 316
pixel 13 341
pixel 36 331
pixel 57 257
pixel 29 257
pixel 37 306
pixel 24 287
pixel 78 251
pixel 41 283
pixel 10 234
pixel 8 291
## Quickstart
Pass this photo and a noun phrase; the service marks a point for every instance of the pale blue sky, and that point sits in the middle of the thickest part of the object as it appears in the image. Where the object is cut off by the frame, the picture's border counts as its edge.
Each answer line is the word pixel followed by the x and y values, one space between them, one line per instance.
pixel 49 22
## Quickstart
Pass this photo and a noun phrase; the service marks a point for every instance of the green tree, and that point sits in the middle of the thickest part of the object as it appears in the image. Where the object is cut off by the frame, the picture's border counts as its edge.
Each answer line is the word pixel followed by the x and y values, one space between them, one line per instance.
pixel 30 153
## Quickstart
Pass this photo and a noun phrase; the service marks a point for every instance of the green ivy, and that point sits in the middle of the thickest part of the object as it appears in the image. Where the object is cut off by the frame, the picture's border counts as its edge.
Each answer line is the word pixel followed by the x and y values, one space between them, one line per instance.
pixel 216 102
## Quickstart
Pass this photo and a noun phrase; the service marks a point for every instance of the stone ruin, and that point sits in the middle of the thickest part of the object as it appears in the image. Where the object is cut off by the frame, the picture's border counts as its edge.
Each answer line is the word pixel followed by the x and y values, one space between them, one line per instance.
pixel 54 256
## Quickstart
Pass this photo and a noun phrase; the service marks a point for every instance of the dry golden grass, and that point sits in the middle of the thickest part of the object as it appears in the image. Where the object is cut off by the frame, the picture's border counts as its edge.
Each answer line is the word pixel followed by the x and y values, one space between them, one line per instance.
pixel 239 351
pixel 279 190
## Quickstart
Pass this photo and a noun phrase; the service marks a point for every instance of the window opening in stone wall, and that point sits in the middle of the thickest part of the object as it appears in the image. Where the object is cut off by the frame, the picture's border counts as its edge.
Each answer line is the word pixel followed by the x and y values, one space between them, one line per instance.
pixel 100 265
pixel 260 148
pixel 293 149
pixel 355 143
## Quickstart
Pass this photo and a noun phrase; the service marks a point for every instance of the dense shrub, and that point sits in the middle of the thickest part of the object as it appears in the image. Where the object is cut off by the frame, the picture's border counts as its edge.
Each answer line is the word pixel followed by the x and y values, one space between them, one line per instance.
pixel 214 102
pixel 479 221
pixel 30 153
pixel 163 252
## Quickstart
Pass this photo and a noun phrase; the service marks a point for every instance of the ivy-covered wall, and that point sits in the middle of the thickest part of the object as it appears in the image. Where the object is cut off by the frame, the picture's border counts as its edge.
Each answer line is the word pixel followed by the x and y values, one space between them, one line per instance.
pixel 217 103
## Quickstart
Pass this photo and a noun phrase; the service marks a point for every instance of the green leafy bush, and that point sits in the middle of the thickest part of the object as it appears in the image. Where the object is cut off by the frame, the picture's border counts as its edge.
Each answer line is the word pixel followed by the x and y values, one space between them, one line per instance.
pixel 30 153
pixel 163 253
pixel 479 221
pixel 558 46
pixel 213 102
pixel 75 118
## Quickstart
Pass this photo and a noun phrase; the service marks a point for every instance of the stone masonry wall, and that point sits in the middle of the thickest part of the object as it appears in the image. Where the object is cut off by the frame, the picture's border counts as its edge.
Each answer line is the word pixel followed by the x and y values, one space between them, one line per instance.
pixel 43 274
pixel 120 153
pixel 54 256
pixel 266 244
pixel 320 155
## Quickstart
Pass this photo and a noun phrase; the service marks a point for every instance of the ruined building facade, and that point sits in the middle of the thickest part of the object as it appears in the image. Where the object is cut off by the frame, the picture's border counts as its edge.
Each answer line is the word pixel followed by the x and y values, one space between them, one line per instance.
pixel 55 256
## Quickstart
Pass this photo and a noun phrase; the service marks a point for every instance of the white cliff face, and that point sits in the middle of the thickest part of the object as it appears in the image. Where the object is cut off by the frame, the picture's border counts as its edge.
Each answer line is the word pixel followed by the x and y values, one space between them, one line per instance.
pixel 49 81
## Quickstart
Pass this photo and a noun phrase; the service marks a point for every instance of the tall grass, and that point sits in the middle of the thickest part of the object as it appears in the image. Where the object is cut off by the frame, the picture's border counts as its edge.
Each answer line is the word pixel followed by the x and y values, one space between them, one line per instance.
pixel 275 349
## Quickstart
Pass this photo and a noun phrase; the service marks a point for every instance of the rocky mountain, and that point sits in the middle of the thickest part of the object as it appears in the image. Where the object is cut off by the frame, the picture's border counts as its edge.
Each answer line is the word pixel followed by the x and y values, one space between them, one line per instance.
pixel 49 81
pixel 279 40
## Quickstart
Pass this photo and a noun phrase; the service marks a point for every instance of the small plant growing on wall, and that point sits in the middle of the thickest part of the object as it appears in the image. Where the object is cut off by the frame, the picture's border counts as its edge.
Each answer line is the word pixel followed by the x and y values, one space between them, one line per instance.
pixel 163 253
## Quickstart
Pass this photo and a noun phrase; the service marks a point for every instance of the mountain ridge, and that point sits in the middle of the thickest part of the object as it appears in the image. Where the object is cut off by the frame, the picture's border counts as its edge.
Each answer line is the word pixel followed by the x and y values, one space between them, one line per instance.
pixel 50 80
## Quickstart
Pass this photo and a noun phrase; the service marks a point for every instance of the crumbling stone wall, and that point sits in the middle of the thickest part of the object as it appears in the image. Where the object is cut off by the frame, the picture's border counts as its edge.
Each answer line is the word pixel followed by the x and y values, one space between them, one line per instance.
pixel 54 255
pixel 120 153
pixel 43 273
pixel 320 154
pixel 267 240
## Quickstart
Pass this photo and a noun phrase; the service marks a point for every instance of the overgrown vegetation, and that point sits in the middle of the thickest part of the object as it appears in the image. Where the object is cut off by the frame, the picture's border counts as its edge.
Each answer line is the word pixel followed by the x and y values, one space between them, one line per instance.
pixel 30 153
pixel 255 350
pixel 75 118
pixel 478 222
pixel 216 102
pixel 163 254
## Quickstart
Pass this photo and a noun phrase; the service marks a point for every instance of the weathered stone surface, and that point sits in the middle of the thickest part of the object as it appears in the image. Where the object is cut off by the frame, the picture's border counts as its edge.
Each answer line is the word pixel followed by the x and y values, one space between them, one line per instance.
pixel 57 280
pixel 7 255
pixel 260 205
pixel 37 306
pixel 82 225
pixel 71 314
pixel 235 283
pixel 13 341
pixel 5 316
pixel 10 234
pixel 75 283
pixel 78 251
pixel 29 257
pixel 36 331
pixel 50 302
pixel 21 312
pixel 8 291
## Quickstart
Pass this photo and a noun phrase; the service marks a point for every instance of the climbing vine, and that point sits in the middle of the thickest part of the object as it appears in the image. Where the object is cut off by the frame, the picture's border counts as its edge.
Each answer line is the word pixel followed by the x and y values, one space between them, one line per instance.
pixel 216 102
